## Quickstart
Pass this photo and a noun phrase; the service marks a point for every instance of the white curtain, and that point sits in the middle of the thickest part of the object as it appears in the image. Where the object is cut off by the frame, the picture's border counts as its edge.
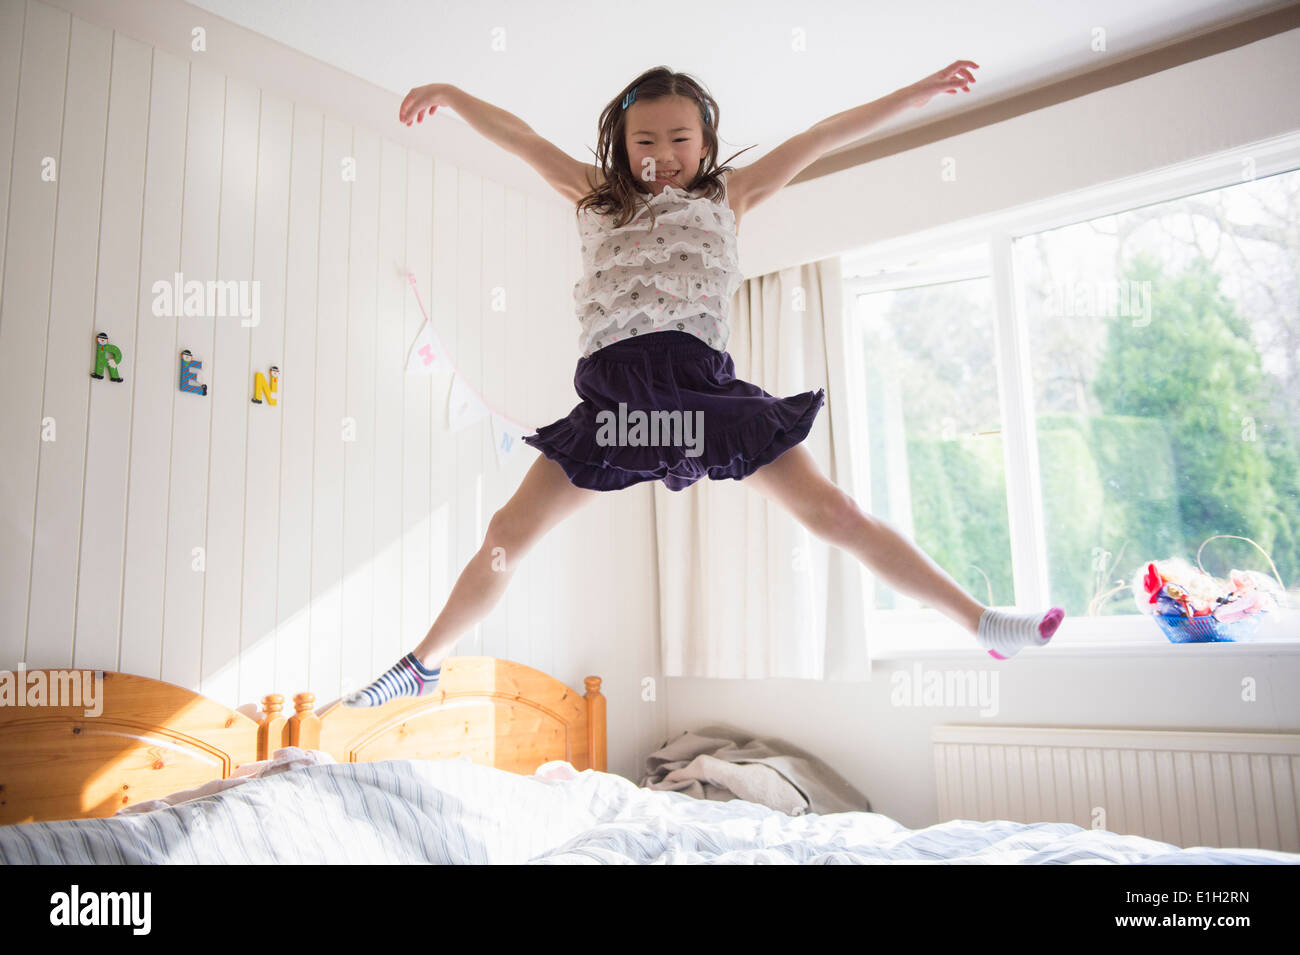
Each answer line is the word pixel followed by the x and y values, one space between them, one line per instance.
pixel 746 592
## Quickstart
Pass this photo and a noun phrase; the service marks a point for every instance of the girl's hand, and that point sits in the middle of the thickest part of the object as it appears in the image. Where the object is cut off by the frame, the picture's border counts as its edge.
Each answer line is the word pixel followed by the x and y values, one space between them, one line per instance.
pixel 421 101
pixel 947 80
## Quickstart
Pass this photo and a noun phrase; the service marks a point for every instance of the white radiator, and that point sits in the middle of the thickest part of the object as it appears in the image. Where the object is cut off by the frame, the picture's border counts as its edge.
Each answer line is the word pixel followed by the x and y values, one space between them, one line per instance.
pixel 1227 790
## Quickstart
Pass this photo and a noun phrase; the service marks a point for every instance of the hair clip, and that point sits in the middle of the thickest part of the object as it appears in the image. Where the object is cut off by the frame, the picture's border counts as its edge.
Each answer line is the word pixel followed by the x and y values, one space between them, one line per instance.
pixel 708 110
pixel 630 98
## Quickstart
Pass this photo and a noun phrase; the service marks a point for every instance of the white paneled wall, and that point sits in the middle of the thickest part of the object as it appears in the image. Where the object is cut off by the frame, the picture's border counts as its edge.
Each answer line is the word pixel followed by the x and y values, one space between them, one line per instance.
pixel 240 548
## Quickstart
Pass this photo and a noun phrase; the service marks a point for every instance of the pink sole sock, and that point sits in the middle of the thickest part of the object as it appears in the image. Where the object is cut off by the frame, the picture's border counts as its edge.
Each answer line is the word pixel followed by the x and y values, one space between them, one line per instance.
pixel 1004 634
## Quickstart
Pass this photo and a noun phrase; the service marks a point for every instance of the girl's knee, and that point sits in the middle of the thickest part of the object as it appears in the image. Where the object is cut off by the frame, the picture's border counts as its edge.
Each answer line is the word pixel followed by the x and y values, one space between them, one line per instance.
pixel 506 531
pixel 841 519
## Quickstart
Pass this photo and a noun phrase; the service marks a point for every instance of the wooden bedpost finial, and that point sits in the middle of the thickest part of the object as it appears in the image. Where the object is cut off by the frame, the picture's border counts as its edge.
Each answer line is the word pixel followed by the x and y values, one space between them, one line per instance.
pixel 595 724
pixel 304 725
pixel 270 728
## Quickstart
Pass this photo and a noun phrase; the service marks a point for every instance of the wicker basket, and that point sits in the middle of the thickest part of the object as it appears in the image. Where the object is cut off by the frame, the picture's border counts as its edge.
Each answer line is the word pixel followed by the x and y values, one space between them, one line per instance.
pixel 1208 629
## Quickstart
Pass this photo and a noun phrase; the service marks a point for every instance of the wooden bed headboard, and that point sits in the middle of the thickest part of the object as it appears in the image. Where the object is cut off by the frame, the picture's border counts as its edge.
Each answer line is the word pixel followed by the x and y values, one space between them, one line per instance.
pixel 152 739
pixel 496 712
pixel 149 740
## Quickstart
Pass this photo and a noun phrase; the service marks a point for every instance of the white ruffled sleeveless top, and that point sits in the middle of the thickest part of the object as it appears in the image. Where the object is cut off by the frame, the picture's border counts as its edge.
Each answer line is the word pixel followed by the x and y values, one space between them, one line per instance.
pixel 679 273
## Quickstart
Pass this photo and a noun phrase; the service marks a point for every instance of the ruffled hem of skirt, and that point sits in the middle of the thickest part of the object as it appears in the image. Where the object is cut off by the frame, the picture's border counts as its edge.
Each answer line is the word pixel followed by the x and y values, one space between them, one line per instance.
pixel 735 453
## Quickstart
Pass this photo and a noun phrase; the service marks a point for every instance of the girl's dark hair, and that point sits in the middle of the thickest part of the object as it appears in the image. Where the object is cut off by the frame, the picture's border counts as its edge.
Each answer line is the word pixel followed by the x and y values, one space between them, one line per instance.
pixel 620 192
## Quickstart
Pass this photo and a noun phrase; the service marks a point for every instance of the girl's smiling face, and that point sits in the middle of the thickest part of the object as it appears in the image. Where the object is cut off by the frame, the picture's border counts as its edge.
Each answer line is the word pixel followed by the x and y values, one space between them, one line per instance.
pixel 664 143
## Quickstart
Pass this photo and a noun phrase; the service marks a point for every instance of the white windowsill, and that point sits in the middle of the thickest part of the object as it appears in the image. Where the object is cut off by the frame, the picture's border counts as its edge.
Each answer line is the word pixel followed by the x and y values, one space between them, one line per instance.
pixel 908 634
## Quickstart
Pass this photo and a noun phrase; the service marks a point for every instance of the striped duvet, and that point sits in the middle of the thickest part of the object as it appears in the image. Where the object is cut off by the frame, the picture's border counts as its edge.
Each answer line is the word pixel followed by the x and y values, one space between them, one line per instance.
pixel 455 811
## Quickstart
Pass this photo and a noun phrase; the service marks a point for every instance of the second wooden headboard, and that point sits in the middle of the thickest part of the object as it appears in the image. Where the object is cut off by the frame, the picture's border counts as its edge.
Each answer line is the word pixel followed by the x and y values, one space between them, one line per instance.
pixel 150 739
pixel 496 712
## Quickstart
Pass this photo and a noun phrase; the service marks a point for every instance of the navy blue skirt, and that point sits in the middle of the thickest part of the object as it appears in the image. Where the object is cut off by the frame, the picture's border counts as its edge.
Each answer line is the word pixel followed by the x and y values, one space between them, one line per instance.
pixel 668 407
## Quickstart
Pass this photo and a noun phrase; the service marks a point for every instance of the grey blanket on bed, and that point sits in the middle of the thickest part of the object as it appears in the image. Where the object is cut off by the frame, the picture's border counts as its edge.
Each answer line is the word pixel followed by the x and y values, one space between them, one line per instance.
pixel 454 811
pixel 721 764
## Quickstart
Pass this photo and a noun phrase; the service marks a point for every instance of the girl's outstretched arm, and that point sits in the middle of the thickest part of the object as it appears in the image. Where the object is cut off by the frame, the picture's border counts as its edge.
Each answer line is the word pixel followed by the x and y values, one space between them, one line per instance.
pixel 764 177
pixel 505 129
pixel 566 174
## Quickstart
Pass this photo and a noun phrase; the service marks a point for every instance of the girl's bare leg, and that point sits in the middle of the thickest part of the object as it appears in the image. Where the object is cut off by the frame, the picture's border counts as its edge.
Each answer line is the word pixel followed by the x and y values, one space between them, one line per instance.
pixel 795 481
pixel 545 497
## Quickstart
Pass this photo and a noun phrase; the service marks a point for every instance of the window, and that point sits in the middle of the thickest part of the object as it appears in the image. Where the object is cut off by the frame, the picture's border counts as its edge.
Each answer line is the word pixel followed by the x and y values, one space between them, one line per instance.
pixel 1149 366
pixel 934 453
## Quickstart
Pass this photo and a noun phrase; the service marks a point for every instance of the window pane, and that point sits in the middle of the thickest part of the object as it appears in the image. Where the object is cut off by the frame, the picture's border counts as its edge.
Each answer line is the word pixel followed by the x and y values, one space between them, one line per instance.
pixel 933 432
pixel 1164 346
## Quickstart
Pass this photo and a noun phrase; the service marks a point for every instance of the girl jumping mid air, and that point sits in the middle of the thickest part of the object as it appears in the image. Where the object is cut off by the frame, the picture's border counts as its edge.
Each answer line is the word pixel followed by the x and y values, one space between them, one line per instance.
pixel 658 220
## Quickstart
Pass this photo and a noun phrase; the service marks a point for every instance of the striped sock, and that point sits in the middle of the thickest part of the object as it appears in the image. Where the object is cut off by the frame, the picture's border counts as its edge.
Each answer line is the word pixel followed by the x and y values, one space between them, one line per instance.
pixel 407 677
pixel 1003 633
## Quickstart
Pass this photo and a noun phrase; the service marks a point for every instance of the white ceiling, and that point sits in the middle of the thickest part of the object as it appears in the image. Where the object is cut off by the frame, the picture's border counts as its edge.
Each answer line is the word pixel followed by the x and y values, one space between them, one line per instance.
pixel 563 61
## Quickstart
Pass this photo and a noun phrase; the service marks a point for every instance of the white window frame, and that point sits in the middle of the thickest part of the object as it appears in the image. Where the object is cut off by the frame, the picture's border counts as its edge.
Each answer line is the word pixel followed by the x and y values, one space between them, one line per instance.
pixel 911 631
